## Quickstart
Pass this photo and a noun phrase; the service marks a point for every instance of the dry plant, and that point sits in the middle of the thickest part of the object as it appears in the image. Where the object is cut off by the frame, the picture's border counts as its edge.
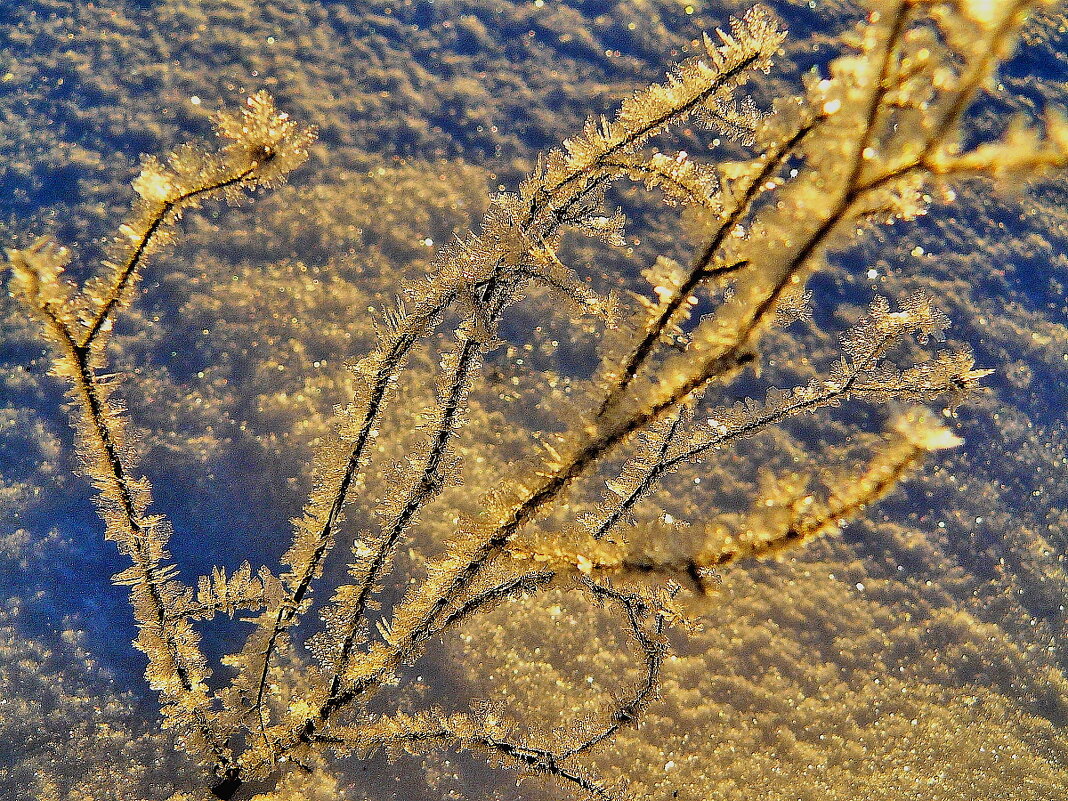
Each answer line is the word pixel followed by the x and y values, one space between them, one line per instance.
pixel 872 141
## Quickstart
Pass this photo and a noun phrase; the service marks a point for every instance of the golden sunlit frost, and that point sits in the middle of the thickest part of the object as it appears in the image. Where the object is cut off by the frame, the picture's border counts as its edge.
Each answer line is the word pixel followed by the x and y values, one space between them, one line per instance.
pixel 865 146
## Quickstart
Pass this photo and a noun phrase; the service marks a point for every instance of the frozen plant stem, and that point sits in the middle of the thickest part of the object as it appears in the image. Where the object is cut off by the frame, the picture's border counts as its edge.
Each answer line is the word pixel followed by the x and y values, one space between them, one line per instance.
pixel 865 144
